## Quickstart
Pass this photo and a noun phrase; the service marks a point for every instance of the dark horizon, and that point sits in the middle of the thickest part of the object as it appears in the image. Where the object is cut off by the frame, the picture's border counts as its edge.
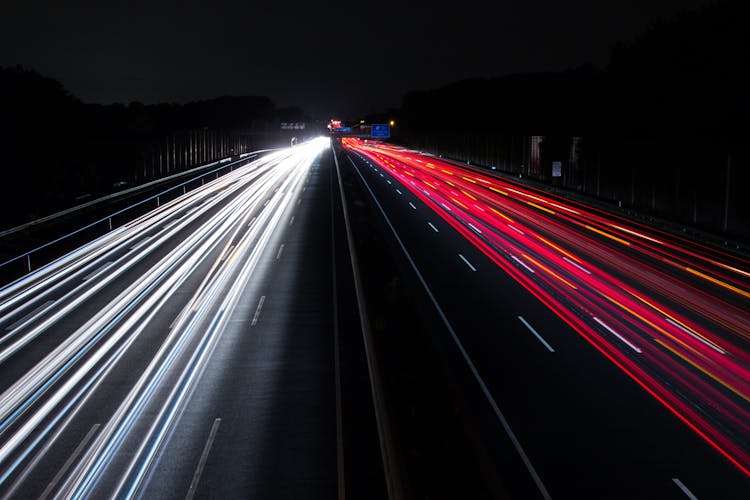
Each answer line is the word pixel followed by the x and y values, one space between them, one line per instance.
pixel 345 62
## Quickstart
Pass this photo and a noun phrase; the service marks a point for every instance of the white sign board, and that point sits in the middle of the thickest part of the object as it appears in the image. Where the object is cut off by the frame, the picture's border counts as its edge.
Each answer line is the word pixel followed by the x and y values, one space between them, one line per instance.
pixel 556 169
pixel 292 126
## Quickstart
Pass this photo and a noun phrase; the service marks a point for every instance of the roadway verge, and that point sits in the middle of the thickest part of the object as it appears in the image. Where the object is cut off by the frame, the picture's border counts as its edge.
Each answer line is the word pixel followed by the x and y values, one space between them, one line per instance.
pixel 439 418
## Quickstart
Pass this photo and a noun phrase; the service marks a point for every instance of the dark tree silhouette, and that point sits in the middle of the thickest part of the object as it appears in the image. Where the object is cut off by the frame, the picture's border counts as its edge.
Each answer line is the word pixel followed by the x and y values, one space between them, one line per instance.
pixel 57 151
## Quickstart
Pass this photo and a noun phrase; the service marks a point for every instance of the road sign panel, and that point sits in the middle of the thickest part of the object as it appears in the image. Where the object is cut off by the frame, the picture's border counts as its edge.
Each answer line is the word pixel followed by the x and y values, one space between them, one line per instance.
pixel 556 169
pixel 381 130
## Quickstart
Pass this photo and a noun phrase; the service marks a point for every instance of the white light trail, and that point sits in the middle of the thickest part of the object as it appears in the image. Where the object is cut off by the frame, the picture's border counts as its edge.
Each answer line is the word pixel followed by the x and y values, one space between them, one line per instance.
pixel 79 363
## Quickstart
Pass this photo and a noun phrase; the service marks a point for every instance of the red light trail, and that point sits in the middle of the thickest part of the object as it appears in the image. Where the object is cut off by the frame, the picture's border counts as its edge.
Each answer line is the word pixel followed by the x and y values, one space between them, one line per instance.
pixel 673 314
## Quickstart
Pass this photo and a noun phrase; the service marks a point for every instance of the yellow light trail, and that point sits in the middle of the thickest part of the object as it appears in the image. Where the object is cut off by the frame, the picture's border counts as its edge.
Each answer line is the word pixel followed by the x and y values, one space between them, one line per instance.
pixel 702 370
pixel 607 235
pixel 718 282
pixel 559 249
pixel 457 202
pixel 469 195
pixel 677 321
pixel 550 271
pixel 541 207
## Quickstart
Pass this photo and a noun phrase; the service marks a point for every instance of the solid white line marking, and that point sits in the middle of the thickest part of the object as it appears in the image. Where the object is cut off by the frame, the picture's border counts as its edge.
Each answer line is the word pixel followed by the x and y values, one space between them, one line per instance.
pixel 696 337
pixel 684 489
pixel 202 461
pixel 27 316
pixel 577 265
pixel 522 263
pixel 433 227
pixel 291 221
pixel 257 311
pixel 412 205
pixel 467 262
pixel 485 390
pixel 281 249
pixel 626 341
pixel 516 229
pixel 531 328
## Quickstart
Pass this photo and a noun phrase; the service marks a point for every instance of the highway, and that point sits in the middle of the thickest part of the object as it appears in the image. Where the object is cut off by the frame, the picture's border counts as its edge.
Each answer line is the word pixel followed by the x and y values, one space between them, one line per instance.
pixel 187 353
pixel 614 357
pixel 197 351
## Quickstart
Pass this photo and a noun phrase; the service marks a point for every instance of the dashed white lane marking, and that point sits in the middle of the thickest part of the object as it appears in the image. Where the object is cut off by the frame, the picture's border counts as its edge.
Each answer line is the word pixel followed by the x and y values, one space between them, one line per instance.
pixel 202 462
pixel 522 263
pixel 610 330
pixel 467 262
pixel 257 311
pixel 684 489
pixel 696 337
pixel 577 265
pixel 68 463
pixel 536 334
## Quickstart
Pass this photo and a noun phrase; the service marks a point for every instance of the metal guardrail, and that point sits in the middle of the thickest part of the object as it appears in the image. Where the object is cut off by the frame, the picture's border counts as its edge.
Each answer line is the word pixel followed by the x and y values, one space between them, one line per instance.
pixel 223 163
pixel 717 240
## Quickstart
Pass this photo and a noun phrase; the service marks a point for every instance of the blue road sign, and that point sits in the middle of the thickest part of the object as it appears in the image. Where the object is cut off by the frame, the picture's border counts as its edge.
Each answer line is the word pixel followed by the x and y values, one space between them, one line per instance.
pixel 342 129
pixel 381 130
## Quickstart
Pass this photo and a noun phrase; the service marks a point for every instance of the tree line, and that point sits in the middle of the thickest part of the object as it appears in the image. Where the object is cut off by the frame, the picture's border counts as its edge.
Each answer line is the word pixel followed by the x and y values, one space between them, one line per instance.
pixel 57 150
pixel 662 127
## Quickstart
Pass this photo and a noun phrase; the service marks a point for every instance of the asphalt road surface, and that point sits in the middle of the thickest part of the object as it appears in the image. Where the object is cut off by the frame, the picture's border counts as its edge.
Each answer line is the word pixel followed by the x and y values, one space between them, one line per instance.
pixel 211 348
pixel 614 357
pixel 187 353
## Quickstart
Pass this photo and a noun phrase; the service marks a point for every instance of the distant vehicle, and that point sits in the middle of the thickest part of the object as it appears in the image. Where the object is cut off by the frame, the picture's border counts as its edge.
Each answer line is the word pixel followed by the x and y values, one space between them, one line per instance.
pixel 119 184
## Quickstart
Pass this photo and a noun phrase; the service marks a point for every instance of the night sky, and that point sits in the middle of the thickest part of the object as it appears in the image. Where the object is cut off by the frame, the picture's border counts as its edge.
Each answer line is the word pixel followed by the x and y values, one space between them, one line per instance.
pixel 330 58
